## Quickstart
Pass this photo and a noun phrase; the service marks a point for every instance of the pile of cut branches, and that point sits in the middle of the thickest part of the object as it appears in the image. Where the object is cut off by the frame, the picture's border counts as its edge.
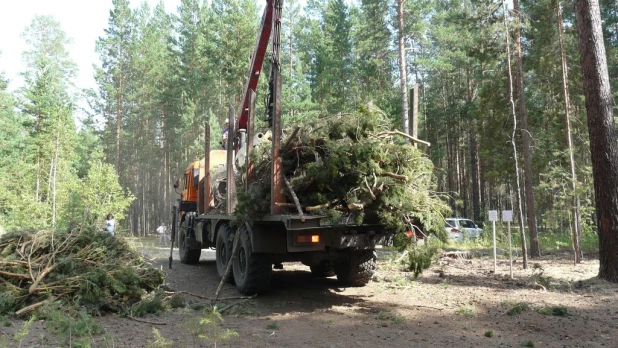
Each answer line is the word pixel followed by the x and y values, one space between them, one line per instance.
pixel 82 267
pixel 354 168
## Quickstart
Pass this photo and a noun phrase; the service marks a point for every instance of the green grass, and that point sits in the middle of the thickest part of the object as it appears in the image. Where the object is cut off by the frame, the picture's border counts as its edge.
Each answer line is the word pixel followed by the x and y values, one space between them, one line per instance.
pixel 466 311
pixel 549 240
pixel 394 318
pixel 153 304
pixel 515 308
pixel 489 333
pixel 177 302
pixel 557 311
pixel 76 329
pixel 273 326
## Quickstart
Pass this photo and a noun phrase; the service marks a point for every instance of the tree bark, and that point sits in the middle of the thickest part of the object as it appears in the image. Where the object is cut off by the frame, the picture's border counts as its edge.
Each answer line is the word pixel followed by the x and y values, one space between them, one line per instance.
pixel 535 251
pixel 118 117
pixel 54 179
pixel 602 133
pixel 512 102
pixel 403 77
pixel 576 223
pixel 474 159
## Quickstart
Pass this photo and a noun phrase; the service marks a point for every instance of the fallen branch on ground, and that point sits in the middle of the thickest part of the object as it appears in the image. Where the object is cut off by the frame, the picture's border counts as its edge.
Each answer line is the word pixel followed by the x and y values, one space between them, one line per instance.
pixel 146 321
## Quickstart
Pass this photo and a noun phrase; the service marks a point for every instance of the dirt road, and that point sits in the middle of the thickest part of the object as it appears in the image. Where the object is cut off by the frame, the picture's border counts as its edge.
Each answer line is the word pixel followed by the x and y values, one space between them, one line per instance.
pixel 456 303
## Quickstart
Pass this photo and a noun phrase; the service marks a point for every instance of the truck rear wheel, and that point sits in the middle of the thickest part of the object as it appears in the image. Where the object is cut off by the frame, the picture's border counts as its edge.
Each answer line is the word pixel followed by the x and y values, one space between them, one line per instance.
pixel 323 269
pixel 187 255
pixel 252 272
pixel 223 251
pixel 358 269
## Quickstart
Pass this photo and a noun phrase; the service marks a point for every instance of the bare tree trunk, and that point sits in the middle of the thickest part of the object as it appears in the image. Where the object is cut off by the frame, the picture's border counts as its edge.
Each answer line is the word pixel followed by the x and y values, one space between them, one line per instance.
pixel 55 170
pixel 512 102
pixel 602 133
pixel 450 171
pixel 474 173
pixel 463 180
pixel 403 77
pixel 576 224
pixel 118 117
pixel 535 251
pixel 37 193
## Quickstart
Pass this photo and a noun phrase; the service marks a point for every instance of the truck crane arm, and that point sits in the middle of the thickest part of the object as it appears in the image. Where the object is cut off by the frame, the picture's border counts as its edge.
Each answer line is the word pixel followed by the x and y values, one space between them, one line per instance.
pixel 273 8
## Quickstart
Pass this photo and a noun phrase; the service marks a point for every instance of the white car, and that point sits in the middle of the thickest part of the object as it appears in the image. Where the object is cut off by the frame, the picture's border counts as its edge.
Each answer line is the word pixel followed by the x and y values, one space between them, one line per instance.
pixel 459 229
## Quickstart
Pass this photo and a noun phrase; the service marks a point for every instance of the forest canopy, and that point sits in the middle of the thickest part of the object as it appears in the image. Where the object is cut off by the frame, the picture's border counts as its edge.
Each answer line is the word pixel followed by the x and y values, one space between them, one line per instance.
pixel 164 72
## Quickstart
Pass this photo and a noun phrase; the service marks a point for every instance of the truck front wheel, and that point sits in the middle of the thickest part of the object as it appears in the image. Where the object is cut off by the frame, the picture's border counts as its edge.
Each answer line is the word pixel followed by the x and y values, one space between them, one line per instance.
pixel 358 269
pixel 187 255
pixel 252 272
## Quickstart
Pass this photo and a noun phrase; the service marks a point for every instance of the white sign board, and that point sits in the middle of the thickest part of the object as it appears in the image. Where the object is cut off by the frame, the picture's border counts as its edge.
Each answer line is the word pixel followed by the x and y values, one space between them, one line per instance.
pixel 507 215
pixel 493 215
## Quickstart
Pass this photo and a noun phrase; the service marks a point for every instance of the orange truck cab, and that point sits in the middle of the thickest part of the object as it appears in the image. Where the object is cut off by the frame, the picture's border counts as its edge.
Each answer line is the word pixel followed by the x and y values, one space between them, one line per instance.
pixel 194 175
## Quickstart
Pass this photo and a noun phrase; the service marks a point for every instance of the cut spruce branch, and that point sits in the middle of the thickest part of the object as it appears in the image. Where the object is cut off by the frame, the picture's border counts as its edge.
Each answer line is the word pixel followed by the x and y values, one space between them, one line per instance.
pixel 296 202
pixel 290 139
pixel 403 178
pixel 318 207
pixel 396 132
pixel 147 321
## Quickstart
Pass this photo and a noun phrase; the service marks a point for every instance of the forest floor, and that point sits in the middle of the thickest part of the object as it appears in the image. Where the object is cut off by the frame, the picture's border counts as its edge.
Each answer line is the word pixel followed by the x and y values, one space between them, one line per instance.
pixel 458 302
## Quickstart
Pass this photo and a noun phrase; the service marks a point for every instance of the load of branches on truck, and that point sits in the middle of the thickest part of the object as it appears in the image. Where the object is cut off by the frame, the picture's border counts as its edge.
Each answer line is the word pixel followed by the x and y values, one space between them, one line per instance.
pixel 354 168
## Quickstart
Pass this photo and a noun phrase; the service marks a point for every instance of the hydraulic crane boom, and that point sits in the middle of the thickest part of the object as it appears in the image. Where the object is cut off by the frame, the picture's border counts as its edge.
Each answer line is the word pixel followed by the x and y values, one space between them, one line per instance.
pixel 271 19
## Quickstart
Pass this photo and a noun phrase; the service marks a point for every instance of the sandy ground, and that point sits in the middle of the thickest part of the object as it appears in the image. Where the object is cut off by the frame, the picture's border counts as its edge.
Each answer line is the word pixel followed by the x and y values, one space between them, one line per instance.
pixel 458 302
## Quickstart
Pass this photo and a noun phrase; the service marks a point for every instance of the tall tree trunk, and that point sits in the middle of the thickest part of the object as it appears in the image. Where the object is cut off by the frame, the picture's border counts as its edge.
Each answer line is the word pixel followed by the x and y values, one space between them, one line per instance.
pixel 403 77
pixel 474 173
pixel 512 102
pixel 535 251
pixel 450 172
pixel 118 117
pixel 54 178
pixel 474 165
pixel 576 224
pixel 602 133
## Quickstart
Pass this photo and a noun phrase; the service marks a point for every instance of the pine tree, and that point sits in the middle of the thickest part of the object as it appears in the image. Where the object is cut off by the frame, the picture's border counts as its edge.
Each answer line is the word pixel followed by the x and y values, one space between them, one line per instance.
pixel 49 105
pixel 13 138
pixel 113 77
pixel 374 56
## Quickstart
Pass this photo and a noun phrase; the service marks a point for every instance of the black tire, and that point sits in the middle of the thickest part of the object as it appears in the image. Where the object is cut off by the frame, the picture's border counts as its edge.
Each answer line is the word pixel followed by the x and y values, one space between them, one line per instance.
pixel 323 269
pixel 223 251
pixel 358 269
pixel 252 272
pixel 188 255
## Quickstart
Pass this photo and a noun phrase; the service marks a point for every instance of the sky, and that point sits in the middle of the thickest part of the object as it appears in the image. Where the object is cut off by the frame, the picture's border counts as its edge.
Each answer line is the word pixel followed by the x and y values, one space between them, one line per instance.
pixel 82 20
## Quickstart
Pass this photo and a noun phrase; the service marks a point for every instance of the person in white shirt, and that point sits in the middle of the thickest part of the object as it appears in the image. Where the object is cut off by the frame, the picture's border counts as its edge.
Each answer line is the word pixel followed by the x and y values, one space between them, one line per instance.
pixel 109 225
pixel 163 235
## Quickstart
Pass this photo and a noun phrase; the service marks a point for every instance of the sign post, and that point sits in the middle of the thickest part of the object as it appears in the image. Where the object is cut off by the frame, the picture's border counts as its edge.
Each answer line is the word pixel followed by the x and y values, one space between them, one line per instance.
pixel 507 215
pixel 493 217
